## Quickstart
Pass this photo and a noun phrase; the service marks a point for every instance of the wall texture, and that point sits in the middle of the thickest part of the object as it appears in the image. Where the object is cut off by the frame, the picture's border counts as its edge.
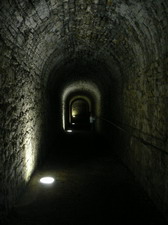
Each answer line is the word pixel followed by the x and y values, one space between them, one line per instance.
pixel 145 98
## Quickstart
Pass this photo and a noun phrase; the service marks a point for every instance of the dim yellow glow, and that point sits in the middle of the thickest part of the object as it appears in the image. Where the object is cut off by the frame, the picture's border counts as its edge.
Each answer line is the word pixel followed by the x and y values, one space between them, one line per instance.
pixel 63 121
pixel 30 157
pixel 47 180
pixel 74 112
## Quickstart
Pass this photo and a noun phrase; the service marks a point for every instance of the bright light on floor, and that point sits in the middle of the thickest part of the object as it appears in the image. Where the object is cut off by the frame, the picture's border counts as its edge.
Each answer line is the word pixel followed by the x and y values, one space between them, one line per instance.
pixel 69 131
pixel 47 180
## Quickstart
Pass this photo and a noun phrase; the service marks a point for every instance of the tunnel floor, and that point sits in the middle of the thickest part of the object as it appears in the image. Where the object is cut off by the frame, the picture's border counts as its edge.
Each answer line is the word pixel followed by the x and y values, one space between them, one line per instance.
pixel 91 187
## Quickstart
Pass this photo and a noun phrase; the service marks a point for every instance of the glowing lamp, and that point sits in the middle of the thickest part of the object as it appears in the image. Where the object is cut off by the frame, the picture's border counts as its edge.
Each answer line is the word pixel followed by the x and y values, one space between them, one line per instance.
pixel 47 180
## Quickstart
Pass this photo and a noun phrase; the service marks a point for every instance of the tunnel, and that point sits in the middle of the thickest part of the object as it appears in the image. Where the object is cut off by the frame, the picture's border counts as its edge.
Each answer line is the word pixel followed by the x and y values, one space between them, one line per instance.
pixel 84 82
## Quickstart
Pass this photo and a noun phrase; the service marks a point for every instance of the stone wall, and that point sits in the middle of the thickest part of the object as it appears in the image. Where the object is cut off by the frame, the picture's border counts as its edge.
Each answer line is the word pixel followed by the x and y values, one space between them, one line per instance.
pixel 20 133
pixel 142 126
pixel 145 107
pixel 21 111
pixel 21 127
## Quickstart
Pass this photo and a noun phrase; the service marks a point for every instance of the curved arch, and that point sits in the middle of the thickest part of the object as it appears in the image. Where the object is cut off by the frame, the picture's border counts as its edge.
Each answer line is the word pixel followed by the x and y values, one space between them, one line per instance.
pixel 79 112
pixel 73 89
pixel 82 97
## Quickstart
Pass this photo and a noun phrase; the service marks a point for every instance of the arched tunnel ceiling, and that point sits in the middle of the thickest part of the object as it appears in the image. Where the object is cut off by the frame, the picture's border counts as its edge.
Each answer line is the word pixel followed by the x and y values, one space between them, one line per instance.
pixel 80 71
pixel 111 31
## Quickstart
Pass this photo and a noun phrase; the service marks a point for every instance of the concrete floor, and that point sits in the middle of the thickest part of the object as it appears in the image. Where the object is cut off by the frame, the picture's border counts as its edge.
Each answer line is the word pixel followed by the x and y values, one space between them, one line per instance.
pixel 91 187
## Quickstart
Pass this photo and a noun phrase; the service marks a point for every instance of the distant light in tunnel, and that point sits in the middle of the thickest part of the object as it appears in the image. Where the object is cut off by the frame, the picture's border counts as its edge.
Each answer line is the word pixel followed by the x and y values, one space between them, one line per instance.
pixel 86 86
pixel 74 113
pixel 47 180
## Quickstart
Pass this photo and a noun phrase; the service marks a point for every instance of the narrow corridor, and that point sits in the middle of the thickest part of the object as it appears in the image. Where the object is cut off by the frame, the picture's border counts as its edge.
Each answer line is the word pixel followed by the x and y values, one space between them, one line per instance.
pixel 91 187
pixel 99 65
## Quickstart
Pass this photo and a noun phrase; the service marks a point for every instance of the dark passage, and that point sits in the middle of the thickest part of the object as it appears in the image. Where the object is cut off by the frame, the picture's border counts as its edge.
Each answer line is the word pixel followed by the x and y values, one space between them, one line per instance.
pixel 95 65
pixel 91 187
